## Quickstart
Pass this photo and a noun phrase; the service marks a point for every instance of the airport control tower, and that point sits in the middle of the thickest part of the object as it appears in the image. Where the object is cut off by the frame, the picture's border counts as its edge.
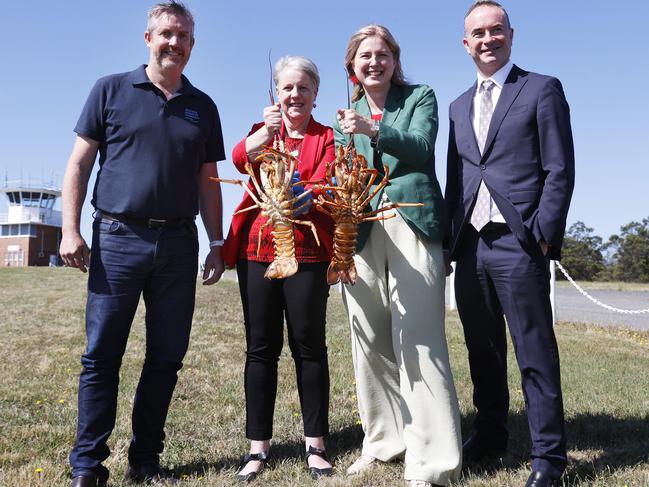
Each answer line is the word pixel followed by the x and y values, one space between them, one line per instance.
pixel 30 232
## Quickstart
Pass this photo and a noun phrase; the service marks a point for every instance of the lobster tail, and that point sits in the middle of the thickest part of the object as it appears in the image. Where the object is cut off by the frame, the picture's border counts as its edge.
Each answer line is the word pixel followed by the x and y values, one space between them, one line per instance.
pixel 336 274
pixel 281 267
pixel 285 263
pixel 333 276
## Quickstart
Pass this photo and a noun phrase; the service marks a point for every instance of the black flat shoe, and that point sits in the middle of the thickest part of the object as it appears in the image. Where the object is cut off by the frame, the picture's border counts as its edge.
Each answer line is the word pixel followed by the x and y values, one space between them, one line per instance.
pixel 316 473
pixel 262 457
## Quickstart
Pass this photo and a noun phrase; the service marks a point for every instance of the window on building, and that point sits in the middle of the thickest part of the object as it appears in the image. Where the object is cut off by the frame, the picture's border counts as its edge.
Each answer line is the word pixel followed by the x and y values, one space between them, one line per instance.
pixel 5 230
pixel 15 229
pixel 14 258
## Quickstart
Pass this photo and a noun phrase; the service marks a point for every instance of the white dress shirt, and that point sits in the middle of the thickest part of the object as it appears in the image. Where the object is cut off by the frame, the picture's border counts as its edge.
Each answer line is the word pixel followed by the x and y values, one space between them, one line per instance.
pixel 498 78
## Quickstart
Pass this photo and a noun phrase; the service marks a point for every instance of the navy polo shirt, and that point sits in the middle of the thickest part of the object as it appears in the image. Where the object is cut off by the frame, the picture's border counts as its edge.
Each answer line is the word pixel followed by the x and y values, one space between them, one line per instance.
pixel 150 149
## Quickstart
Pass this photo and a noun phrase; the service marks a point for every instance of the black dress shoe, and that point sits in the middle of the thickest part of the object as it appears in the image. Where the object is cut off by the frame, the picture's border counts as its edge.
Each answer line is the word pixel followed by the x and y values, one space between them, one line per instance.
pixel 474 451
pixel 90 480
pixel 152 474
pixel 316 473
pixel 541 479
pixel 262 457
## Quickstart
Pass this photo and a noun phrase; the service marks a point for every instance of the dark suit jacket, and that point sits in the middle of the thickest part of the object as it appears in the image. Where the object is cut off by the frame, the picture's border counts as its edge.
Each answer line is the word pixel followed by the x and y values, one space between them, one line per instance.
pixel 406 145
pixel 528 163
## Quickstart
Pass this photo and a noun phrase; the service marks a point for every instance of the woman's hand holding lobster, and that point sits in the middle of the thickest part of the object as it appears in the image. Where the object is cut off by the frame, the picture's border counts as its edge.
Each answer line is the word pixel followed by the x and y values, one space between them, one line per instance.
pixel 351 122
pixel 273 119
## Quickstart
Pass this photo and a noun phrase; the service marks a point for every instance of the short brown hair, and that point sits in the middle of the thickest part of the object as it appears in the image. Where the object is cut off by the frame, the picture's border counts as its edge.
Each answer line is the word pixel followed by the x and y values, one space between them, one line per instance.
pixel 488 3
pixel 168 8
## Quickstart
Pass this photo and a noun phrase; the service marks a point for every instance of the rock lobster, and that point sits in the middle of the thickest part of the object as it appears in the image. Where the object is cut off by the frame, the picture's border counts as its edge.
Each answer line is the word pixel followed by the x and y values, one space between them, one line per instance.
pixel 273 195
pixel 344 199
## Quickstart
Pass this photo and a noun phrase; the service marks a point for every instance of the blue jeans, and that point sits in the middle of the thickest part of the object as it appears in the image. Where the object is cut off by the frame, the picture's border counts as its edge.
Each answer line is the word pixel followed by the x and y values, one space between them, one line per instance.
pixel 128 261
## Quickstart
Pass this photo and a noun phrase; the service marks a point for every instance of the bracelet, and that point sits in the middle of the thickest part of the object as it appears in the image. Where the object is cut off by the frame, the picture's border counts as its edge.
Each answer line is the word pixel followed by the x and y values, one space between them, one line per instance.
pixel 216 243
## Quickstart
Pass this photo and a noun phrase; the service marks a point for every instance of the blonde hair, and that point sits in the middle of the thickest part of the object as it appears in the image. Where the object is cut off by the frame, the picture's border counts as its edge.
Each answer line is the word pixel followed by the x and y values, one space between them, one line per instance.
pixel 363 33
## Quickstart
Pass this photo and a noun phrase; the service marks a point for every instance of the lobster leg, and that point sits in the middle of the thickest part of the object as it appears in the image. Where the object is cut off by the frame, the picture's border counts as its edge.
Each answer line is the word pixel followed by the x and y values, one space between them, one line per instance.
pixel 246 209
pixel 253 178
pixel 378 218
pixel 373 174
pixel 319 207
pixel 378 188
pixel 230 181
pixel 337 205
pixel 391 206
pixel 301 196
pixel 245 187
pixel 308 224
pixel 261 230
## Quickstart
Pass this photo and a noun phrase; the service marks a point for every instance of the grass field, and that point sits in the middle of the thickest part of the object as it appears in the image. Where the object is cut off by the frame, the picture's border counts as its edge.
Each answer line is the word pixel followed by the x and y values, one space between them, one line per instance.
pixel 605 380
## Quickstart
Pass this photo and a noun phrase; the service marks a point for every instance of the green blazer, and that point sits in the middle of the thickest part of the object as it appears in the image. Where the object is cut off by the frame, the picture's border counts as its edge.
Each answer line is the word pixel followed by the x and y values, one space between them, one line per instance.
pixel 406 144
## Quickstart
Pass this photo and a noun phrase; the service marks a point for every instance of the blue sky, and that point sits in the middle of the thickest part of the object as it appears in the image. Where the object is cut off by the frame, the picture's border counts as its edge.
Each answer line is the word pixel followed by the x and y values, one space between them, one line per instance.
pixel 55 52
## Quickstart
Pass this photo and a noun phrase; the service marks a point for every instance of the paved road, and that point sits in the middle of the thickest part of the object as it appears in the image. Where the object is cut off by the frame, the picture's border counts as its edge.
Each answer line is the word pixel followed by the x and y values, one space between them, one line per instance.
pixel 572 306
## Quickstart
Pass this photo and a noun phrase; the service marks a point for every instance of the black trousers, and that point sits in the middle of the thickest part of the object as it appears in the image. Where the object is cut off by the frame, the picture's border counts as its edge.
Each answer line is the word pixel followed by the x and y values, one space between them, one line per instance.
pixel 302 299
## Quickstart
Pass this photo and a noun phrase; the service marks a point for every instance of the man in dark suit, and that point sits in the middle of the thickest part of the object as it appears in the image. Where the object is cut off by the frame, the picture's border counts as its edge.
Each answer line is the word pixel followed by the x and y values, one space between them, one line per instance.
pixel 509 183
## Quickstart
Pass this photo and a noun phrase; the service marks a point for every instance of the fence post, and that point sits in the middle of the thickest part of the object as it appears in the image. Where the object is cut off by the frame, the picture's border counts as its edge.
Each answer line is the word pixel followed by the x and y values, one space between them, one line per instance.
pixel 452 304
pixel 553 275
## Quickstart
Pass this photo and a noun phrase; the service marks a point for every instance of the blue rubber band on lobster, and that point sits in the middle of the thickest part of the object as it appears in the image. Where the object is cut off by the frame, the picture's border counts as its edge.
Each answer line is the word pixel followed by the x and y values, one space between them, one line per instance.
pixel 304 204
pixel 330 192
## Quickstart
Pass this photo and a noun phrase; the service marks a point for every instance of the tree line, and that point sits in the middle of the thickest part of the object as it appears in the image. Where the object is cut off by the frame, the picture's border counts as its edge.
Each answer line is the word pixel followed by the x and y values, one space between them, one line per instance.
pixel 624 257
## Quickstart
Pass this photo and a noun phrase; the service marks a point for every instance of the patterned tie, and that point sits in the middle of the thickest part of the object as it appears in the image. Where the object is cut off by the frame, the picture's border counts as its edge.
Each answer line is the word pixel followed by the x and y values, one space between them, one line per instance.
pixel 482 209
pixel 486 111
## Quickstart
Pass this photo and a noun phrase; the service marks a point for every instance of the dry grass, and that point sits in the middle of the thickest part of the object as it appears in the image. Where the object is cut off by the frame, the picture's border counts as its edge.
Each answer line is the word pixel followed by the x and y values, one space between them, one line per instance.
pixel 605 377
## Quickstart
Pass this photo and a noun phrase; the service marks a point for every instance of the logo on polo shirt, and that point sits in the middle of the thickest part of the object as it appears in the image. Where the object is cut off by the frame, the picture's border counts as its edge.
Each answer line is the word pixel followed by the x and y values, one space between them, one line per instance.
pixel 191 115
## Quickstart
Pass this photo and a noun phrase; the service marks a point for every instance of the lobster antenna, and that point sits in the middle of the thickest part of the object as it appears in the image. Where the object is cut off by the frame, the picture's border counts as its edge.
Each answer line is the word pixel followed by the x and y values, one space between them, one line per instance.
pixel 349 100
pixel 350 144
pixel 272 98
pixel 270 88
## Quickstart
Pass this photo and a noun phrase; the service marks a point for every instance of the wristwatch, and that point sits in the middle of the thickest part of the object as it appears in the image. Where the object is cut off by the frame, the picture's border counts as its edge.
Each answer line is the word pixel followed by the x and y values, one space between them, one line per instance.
pixel 376 126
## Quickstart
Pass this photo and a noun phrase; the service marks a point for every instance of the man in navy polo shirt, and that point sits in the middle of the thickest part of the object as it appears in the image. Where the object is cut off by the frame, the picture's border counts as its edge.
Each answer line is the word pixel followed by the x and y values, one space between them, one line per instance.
pixel 158 140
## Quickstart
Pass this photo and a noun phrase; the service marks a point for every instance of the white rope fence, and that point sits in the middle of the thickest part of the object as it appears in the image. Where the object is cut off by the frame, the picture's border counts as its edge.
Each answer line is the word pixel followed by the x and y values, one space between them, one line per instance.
pixel 595 300
pixel 453 303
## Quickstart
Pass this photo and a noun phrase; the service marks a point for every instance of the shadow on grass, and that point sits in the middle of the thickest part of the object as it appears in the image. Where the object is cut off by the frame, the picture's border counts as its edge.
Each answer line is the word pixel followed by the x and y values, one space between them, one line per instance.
pixel 338 442
pixel 597 443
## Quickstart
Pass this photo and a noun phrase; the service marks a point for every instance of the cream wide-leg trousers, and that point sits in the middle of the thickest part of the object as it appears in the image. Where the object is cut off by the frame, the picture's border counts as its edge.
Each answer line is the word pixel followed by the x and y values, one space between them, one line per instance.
pixel 406 395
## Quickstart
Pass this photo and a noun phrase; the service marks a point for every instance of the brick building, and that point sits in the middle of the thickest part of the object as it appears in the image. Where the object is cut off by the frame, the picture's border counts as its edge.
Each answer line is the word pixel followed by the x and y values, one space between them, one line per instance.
pixel 30 232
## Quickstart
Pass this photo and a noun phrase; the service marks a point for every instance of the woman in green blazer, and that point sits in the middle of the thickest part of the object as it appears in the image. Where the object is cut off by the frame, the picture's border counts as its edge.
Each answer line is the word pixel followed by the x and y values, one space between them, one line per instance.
pixel 407 400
